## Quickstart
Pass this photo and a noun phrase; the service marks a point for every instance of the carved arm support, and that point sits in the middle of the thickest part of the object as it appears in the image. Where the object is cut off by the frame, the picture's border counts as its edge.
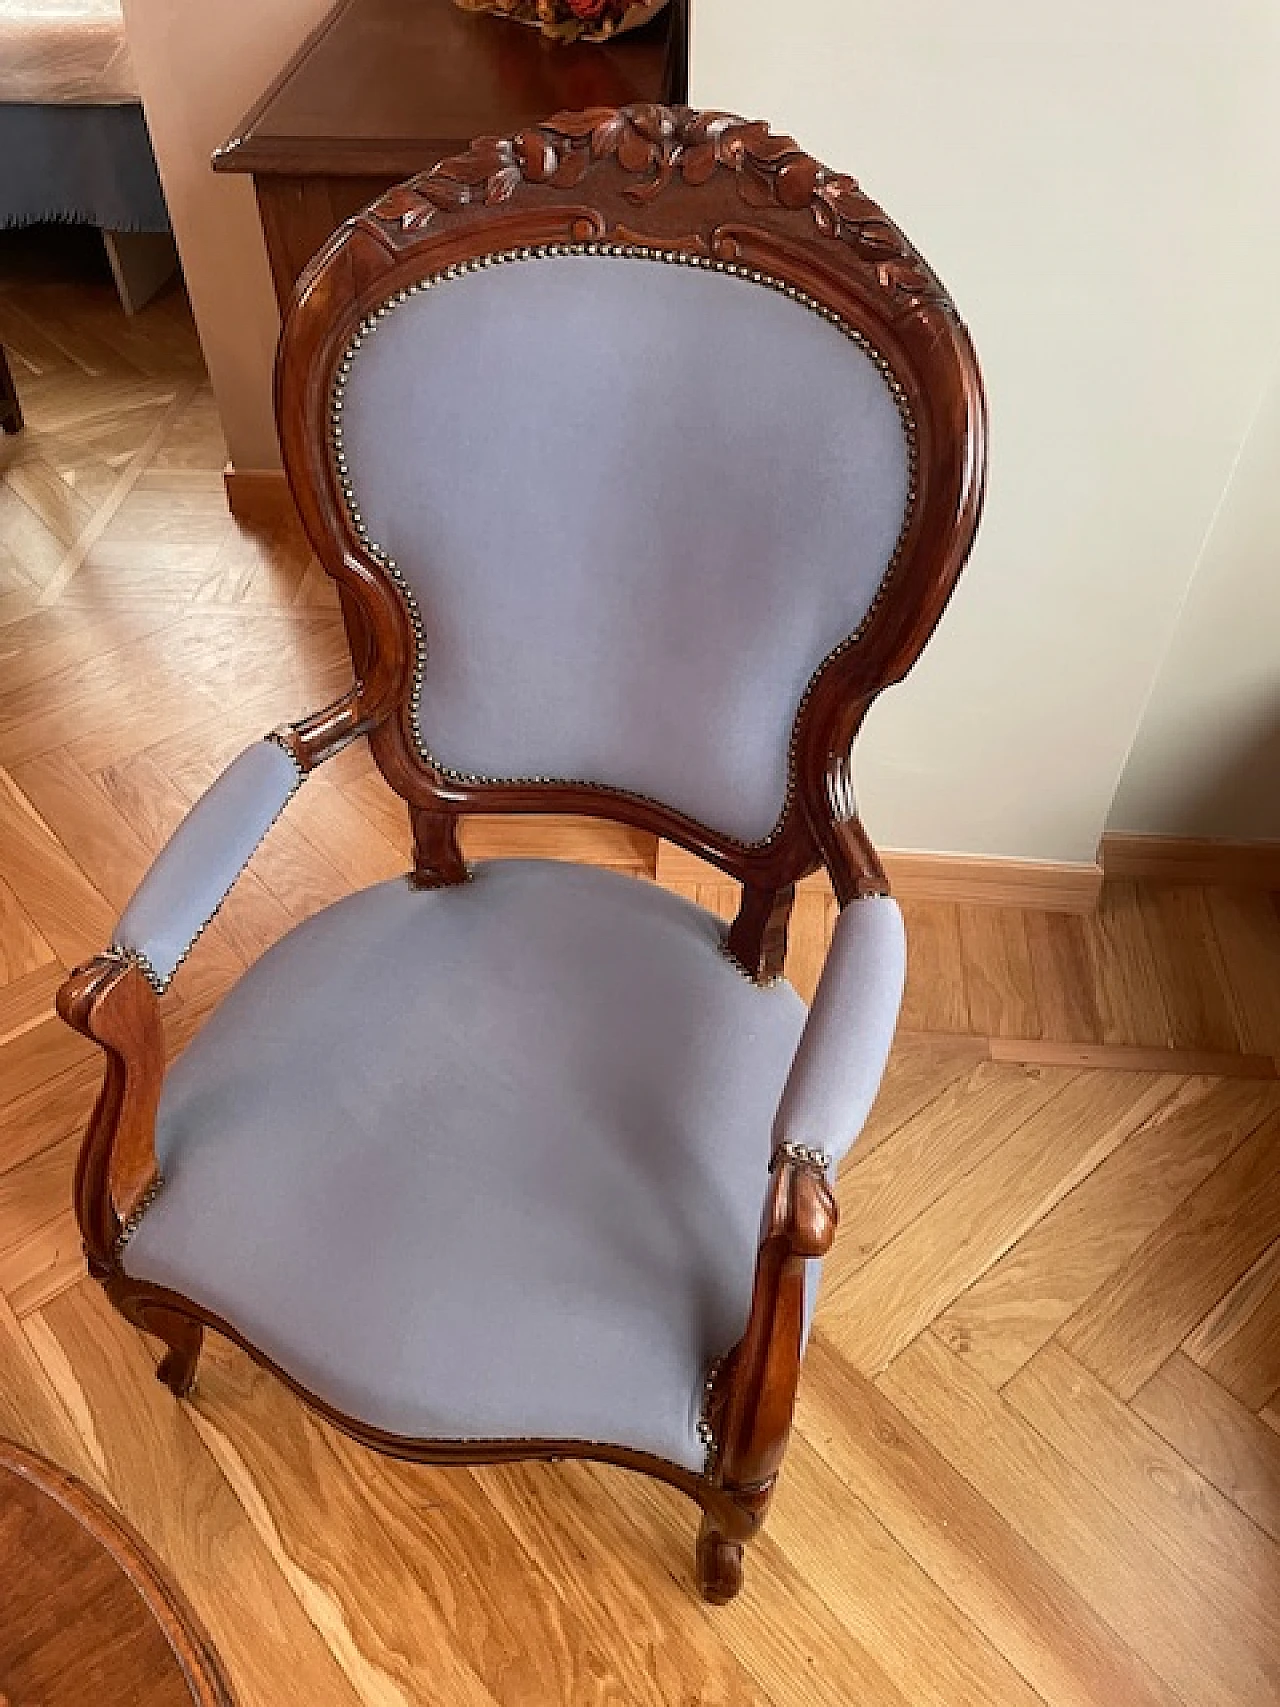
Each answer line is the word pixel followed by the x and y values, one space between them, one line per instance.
pixel 828 1094
pixel 110 1001
pixel 112 998
pixel 758 1386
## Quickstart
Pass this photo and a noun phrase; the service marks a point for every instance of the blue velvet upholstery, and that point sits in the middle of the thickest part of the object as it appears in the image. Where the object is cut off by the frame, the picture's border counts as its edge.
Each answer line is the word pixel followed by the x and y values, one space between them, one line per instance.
pixel 637 504
pixel 484 1161
pixel 190 878
pixel 847 1037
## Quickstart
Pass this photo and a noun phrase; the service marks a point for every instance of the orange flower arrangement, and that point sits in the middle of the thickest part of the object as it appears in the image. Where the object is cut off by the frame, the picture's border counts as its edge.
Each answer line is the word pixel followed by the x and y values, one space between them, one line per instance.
pixel 572 20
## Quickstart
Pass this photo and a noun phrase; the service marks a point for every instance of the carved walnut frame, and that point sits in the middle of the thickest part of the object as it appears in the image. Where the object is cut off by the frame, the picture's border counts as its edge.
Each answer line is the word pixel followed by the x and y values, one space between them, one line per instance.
pixel 675 184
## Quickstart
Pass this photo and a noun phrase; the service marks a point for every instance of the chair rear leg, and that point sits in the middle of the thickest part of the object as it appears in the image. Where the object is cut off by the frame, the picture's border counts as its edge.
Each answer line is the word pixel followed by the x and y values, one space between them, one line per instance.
pixel 757 939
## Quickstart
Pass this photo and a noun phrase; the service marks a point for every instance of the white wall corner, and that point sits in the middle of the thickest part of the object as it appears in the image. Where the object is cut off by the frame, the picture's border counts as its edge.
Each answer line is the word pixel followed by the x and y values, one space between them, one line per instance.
pixel 1062 169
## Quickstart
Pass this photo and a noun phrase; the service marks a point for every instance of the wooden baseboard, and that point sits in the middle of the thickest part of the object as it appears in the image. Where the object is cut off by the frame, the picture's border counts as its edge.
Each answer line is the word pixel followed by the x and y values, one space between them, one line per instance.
pixel 258 494
pixel 1048 886
pixel 1192 859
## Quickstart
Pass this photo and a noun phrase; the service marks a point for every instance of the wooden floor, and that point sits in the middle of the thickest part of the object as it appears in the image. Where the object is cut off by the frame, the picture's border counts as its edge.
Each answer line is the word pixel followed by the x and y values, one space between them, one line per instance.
pixel 1038 1447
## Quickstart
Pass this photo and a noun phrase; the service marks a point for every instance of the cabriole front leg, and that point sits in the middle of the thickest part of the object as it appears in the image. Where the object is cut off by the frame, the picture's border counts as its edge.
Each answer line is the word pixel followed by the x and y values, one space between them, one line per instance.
pixel 117 1176
pixel 730 1517
pixel 753 1397
pixel 180 1334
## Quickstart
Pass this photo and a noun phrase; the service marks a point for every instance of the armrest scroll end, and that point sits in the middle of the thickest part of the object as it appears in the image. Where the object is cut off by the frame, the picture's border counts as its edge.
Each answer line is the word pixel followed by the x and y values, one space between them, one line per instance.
pixel 109 1000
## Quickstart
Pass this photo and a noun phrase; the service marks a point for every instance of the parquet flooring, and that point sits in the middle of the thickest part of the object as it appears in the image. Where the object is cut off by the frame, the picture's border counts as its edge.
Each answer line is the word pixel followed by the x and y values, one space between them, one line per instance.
pixel 1038 1447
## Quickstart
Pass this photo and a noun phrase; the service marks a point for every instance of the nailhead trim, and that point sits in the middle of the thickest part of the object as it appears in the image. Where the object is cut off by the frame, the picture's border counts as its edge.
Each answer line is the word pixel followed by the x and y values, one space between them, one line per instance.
pixel 630 251
pixel 280 738
pixel 129 1226
pixel 137 958
pixel 804 1155
pixel 756 983
pixel 705 1432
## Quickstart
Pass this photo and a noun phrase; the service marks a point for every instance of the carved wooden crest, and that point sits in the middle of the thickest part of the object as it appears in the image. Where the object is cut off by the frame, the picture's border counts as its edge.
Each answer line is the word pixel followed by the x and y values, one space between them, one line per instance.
pixel 660 147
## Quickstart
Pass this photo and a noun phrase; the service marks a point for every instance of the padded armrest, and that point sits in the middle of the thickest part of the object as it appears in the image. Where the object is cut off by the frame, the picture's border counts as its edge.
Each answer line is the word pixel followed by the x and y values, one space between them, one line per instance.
pixel 197 867
pixel 846 1040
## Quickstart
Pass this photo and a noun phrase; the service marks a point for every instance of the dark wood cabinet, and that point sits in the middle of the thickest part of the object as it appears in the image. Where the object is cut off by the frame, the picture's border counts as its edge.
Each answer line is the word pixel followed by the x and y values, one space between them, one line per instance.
pixel 386 88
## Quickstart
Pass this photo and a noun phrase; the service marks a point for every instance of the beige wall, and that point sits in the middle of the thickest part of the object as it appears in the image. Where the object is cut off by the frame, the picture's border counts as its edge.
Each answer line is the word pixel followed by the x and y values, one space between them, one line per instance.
pixel 1206 760
pixel 199 68
pixel 1097 183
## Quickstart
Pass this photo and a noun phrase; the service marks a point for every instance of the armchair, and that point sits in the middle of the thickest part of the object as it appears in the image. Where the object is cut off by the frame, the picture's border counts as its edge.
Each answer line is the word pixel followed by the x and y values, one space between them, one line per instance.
pixel 645 452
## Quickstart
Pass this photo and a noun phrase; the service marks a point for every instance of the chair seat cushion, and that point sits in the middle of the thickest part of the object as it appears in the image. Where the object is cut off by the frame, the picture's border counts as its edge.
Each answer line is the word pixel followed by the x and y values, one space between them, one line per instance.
pixel 485 1162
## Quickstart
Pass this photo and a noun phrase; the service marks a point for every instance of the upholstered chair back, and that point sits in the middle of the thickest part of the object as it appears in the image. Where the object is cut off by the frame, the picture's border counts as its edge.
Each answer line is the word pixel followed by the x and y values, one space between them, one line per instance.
pixel 645 452
pixel 634 503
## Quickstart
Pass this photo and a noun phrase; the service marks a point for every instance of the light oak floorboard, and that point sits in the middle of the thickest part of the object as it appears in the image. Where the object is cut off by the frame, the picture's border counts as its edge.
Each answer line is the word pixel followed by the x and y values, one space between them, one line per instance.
pixel 1001 1582
pixel 998 977
pixel 1192 979
pixel 1022 1300
pixel 932 1654
pixel 41 1264
pixel 27 1002
pixel 935 997
pixel 1126 976
pixel 30 1410
pixel 146 796
pixel 36 1053
pixel 811 1643
pixel 1062 975
pixel 56 1108
pixel 807 943
pixel 1131 1324
pixel 719 898
pixel 1103 1550
pixel 590 841
pixel 69 912
pixel 23 950
pixel 395 1565
pixel 1208 1540
pixel 1247 929
pixel 920 1068
pixel 1132 1058
pixel 885 1189
pixel 873 1315
pixel 36 1192
pixel 586 1551
pixel 1238 1342
pixel 299 874
pixel 1227 1444
pixel 99 837
pixel 329 821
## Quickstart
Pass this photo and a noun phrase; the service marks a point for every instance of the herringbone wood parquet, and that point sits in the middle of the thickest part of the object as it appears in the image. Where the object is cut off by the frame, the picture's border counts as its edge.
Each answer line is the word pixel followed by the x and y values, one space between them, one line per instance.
pixel 1038 1447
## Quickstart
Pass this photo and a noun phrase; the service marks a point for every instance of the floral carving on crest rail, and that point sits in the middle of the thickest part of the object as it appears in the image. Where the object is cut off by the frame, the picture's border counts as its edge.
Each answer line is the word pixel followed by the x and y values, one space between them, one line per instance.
pixel 658 146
